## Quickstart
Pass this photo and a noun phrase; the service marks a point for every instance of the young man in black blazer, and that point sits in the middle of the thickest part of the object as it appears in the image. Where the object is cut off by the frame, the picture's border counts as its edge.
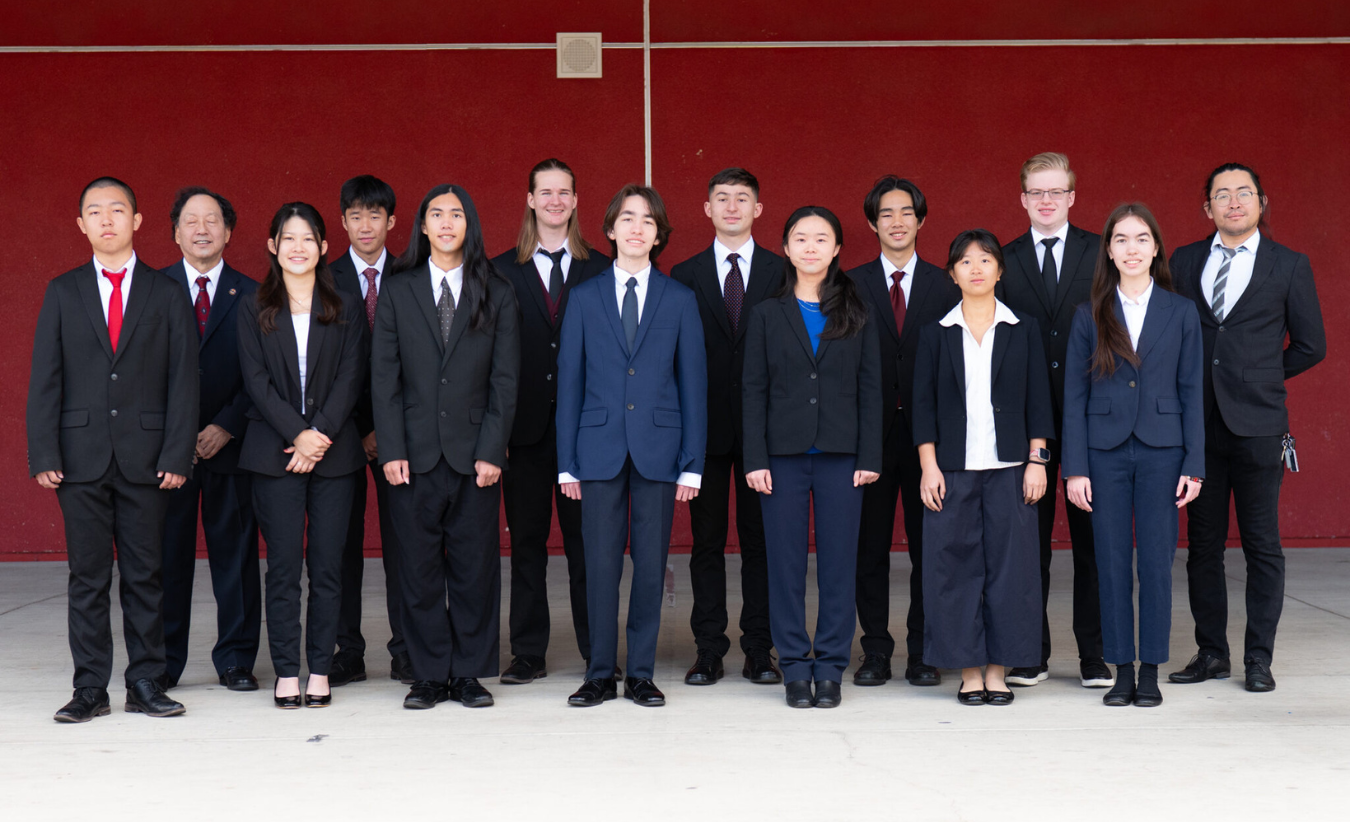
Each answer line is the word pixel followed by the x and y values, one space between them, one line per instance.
pixel 905 293
pixel 367 205
pixel 1049 286
pixel 1252 293
pixel 202 221
pixel 112 423
pixel 729 278
pixel 549 260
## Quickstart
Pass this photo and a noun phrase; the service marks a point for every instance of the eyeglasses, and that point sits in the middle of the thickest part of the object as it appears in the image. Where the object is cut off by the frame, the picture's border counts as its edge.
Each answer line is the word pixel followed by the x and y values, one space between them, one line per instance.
pixel 1054 193
pixel 1223 197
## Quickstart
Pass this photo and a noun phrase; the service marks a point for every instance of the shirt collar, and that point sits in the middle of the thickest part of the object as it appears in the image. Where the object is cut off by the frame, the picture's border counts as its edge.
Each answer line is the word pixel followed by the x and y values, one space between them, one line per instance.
pixel 622 276
pixel 720 251
pixel 99 267
pixel 1141 300
pixel 1062 234
pixel 1250 244
pixel 889 268
pixel 1002 314
pixel 539 249
pixel 213 275
pixel 362 265
pixel 455 275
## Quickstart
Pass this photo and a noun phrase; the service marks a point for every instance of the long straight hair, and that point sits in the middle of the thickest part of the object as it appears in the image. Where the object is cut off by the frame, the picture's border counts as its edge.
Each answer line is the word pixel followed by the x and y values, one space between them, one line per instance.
pixel 1113 338
pixel 478 270
pixel 528 240
pixel 845 313
pixel 326 305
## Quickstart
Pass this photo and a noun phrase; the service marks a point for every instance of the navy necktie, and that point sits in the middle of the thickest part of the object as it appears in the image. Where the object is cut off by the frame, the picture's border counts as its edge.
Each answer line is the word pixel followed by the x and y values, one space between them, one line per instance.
pixel 629 315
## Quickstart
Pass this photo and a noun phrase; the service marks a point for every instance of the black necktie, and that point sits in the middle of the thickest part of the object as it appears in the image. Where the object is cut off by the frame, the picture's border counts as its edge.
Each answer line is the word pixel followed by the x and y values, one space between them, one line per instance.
pixel 445 311
pixel 734 291
pixel 1049 270
pixel 629 315
pixel 555 277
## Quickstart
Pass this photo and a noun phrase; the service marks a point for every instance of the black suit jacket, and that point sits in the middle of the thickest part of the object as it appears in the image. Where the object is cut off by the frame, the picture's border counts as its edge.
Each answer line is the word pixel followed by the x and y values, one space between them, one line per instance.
pixel 726 351
pixel 344 276
pixel 224 401
pixel 1020 391
pixel 457 402
pixel 336 360
pixel 796 400
pixel 1022 289
pixel 539 338
pixel 88 405
pixel 931 296
pixel 1246 358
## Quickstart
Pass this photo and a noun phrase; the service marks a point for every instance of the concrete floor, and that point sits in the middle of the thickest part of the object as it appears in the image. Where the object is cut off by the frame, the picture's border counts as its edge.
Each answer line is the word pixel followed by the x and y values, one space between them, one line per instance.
pixel 729 751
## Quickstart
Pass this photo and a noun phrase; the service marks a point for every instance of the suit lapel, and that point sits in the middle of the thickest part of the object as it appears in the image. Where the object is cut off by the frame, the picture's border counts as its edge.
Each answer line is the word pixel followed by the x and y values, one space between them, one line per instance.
pixel 318 335
pixel 656 287
pixel 142 283
pixel 457 325
pixel 1026 255
pixel 290 350
pixel 919 291
pixel 875 279
pixel 759 287
pixel 705 277
pixel 529 273
pixel 1156 317
pixel 609 300
pixel 956 350
pixel 226 295
pixel 1074 250
pixel 87 282
pixel 1002 338
pixel 1261 270
pixel 426 301
pixel 790 310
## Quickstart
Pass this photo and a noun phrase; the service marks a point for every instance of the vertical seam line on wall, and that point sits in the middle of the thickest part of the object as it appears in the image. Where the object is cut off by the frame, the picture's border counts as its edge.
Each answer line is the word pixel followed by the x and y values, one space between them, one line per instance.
pixel 647 87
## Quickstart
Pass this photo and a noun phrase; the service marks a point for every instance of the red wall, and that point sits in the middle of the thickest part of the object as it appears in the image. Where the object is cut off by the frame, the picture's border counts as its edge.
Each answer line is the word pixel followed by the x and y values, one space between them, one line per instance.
pixel 817 125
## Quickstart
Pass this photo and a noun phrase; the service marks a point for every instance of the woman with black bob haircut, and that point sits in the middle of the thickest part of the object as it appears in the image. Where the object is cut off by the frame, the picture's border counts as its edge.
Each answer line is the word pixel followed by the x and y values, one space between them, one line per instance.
pixel 812 423
pixel 982 416
pixel 303 352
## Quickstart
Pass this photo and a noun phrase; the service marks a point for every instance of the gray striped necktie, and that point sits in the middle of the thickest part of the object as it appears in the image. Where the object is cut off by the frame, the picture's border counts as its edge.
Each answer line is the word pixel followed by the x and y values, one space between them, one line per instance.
pixel 1221 281
pixel 445 310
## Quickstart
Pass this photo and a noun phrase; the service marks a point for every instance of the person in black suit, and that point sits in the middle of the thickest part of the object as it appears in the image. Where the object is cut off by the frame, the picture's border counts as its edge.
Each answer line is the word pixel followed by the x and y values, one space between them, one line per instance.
pixel 367 206
pixel 1134 439
pixel 1252 294
pixel 446 362
pixel 202 223
pixel 303 350
pixel 982 417
pixel 729 279
pixel 549 260
pixel 904 293
pixel 112 421
pixel 1049 287
pixel 813 439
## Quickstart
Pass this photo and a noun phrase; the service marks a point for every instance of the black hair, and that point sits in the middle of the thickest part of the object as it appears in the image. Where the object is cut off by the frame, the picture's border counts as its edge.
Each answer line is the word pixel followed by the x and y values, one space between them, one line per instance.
pixel 369 191
pixel 110 182
pixel 845 313
pixel 734 176
pixel 982 237
pixel 1256 181
pixel 272 295
pixel 1113 338
pixel 188 192
pixel 478 269
pixel 884 186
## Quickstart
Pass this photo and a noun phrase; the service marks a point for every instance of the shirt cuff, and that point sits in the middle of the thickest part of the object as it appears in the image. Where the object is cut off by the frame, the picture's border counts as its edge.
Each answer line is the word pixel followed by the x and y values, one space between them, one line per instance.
pixel 565 477
pixel 689 480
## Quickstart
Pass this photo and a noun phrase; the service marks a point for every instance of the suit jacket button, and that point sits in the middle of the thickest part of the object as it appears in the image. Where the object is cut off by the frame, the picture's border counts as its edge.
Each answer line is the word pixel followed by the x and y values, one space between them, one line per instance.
pixel 1216 361
pixel 309 400
pixel 442 413
pixel 998 410
pixel 1220 328
pixel 1054 333
pixel 813 375
pixel 1132 383
pixel 553 345
pixel 632 371
pixel 114 412
pixel 1054 365
pixel 549 377
pixel 445 381
pixel 813 400
pixel 630 406
pixel 114 376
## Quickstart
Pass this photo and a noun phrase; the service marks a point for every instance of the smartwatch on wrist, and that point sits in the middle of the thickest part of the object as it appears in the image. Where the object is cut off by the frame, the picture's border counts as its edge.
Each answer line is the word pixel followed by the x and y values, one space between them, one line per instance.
pixel 1039 455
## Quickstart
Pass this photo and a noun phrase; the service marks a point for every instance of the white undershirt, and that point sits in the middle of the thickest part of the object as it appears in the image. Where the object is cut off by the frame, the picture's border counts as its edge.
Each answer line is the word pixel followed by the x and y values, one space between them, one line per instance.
pixel 1134 310
pixel 906 274
pixel 301 324
pixel 544 263
pixel 362 265
pixel 212 280
pixel 981 435
pixel 745 252
pixel 105 286
pixel 1063 235
pixel 1239 271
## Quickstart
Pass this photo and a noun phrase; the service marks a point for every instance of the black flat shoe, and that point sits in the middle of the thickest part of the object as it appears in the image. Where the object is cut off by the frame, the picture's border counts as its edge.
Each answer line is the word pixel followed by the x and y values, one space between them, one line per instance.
pixel 799 694
pixel 145 697
pixel 317 701
pixel 594 691
pixel 999 697
pixel 828 694
pixel 423 695
pixel 643 692
pixel 85 704
pixel 469 693
pixel 239 679
pixel 1118 698
pixel 1147 698
pixel 523 669
pixel 759 668
pixel 287 702
pixel 972 697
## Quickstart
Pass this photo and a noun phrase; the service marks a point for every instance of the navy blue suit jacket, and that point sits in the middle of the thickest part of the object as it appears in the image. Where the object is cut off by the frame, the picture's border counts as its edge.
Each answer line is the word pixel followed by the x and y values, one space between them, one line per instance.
pixel 650 404
pixel 1161 402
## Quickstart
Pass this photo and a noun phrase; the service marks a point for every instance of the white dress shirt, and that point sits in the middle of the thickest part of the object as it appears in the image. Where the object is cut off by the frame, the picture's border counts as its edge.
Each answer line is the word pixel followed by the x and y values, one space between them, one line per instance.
pixel 1063 235
pixel 105 286
pixel 301 324
pixel 544 263
pixel 455 275
pixel 906 274
pixel 1239 271
pixel 1135 310
pixel 720 252
pixel 981 437
pixel 362 265
pixel 212 280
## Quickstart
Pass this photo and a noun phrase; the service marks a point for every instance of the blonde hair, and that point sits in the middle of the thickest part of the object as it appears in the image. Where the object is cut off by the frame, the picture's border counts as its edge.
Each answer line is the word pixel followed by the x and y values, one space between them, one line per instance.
pixel 528 239
pixel 1048 161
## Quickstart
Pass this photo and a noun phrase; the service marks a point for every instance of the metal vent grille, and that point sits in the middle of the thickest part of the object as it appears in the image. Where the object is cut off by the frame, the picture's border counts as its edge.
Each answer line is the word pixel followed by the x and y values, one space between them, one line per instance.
pixel 579 54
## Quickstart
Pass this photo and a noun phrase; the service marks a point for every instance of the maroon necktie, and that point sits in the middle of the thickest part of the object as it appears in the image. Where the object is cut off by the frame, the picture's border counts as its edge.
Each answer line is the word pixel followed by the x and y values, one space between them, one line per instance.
pixel 898 300
pixel 202 306
pixel 115 305
pixel 372 296
pixel 734 291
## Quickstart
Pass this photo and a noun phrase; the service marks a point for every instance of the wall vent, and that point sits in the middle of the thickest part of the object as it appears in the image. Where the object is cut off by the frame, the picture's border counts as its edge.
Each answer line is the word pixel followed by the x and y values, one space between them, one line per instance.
pixel 579 54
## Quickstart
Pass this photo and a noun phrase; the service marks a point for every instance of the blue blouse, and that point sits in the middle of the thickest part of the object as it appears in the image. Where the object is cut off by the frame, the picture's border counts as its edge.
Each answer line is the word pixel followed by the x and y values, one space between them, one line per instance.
pixel 815 325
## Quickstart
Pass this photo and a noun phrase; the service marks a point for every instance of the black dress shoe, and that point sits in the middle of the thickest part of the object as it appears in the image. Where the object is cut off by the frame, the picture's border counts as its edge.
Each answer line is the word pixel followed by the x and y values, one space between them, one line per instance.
pixel 1259 677
pixel 917 673
pixel 1200 668
pixel 85 704
pixel 828 694
pixel 424 694
pixel 239 679
pixel 706 670
pixel 466 690
pixel 319 700
pixel 643 692
pixel 145 697
pixel 594 691
pixel 165 682
pixel 972 697
pixel 759 668
pixel 287 702
pixel 799 694
pixel 998 697
pixel 1093 673
pixel 346 668
pixel 1027 676
pixel 874 670
pixel 524 669
pixel 400 669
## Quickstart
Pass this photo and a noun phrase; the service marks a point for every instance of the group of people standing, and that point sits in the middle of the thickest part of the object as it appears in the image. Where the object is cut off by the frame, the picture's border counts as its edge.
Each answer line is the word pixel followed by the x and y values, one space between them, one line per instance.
pixel 553 375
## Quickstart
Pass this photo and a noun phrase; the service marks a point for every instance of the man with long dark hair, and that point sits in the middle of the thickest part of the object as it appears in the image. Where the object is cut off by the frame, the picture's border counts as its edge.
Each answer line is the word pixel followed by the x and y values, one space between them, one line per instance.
pixel 446 361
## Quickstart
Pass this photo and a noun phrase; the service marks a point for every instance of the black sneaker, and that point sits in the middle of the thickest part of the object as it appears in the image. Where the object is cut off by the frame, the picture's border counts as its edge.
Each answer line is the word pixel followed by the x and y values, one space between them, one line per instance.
pixel 1026 677
pixel 1095 674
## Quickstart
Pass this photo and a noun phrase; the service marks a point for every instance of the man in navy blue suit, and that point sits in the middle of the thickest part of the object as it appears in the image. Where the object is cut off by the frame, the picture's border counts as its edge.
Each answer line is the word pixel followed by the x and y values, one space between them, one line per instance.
pixel 632 426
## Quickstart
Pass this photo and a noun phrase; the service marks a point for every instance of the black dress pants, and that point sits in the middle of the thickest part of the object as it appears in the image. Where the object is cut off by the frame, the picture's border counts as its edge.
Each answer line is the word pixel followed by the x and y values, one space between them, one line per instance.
pixel 109 512
pixel 1250 471
pixel 226 504
pixel 350 642
pixel 709 520
pixel 303 518
pixel 530 487
pixel 450 573
pixel 1087 608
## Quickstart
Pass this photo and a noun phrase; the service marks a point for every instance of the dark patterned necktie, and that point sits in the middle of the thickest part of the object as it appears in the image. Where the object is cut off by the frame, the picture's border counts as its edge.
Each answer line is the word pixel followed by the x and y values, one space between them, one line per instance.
pixel 372 296
pixel 555 277
pixel 202 306
pixel 1221 281
pixel 445 310
pixel 734 292
pixel 1049 270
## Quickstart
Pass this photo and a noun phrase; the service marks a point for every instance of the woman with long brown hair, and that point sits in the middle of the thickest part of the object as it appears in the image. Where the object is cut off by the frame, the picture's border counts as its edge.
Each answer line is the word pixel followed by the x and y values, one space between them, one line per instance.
pixel 1134 438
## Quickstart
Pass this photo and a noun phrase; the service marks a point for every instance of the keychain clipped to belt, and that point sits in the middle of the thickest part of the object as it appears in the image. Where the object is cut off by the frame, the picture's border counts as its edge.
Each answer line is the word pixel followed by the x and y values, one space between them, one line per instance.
pixel 1289 455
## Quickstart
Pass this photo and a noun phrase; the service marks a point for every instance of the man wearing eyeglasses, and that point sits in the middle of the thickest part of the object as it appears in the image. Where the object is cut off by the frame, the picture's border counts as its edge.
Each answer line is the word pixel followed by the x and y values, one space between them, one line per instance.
pixel 1252 292
pixel 1048 273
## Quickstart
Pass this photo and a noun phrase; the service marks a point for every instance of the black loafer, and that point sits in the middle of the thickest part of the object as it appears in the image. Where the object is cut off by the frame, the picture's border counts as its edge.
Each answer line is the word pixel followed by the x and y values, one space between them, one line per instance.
pixel 1259 678
pixel 400 670
pixel 643 692
pixel 468 692
pixel 594 691
pixel 1200 668
pixel 1119 697
pixel 706 670
pixel 874 670
pixel 799 694
pixel 423 695
pixel 523 669
pixel 145 697
pixel 239 679
pixel 1146 696
pixel 828 694
pixel 84 705
pixel 972 697
pixel 345 669
pixel 759 668
pixel 917 673
pixel 998 697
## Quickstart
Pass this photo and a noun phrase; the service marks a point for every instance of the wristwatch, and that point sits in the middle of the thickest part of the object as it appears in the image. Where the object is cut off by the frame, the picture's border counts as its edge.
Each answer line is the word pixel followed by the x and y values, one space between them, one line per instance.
pixel 1039 455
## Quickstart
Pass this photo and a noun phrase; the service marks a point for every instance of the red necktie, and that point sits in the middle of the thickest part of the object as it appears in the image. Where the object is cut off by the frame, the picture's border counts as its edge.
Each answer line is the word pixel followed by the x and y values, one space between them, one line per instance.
pixel 372 296
pixel 898 300
pixel 202 306
pixel 115 305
